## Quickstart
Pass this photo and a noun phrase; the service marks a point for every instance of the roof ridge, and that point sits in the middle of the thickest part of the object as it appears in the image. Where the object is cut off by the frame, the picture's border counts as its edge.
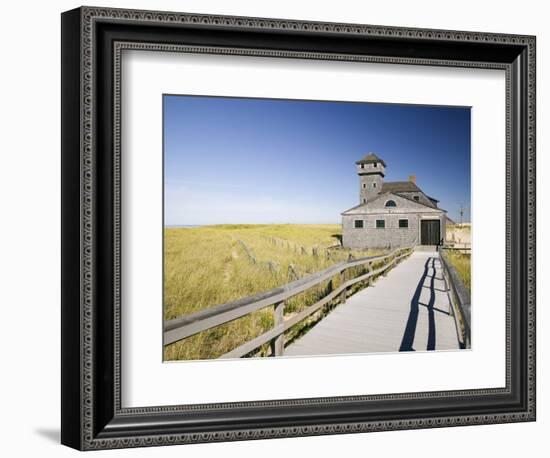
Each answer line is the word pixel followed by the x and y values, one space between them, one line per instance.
pixel 352 208
pixel 415 201
pixel 371 158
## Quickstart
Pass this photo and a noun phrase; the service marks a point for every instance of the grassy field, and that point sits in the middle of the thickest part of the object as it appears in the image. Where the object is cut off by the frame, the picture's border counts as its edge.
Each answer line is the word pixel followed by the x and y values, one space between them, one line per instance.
pixel 460 235
pixel 211 265
pixel 461 263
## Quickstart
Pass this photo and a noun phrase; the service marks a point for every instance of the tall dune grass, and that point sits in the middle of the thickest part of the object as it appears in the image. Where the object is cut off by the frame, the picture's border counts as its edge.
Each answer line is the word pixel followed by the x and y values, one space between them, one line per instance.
pixel 462 263
pixel 212 265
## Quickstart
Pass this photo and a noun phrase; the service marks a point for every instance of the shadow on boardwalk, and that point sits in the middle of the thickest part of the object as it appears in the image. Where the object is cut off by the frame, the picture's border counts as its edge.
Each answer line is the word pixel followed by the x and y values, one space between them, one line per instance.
pixel 410 328
pixel 406 310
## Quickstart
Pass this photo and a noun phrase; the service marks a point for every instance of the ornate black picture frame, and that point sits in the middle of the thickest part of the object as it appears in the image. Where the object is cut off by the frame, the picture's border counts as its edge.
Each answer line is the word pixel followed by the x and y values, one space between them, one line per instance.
pixel 92 415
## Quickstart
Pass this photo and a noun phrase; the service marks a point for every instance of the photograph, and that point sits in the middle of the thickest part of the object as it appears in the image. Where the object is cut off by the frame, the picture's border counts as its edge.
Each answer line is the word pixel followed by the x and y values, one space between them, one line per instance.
pixel 314 227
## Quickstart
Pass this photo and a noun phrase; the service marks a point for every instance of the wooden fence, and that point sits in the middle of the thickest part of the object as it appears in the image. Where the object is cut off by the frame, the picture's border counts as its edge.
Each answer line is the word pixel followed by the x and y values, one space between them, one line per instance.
pixel 460 297
pixel 467 249
pixel 188 325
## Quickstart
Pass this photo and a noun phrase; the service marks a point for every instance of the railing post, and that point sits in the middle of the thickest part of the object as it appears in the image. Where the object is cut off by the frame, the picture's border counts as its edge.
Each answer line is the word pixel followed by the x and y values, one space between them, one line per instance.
pixel 277 344
pixel 369 269
pixel 344 292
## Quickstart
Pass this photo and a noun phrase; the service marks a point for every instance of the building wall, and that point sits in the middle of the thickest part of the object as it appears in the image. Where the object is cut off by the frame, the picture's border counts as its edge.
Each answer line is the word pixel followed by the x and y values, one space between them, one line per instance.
pixel 371 178
pixel 369 187
pixel 392 236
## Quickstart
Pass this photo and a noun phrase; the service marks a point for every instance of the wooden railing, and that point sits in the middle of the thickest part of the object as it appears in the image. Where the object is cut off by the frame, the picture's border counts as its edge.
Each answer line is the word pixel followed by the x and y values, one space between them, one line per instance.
pixel 466 249
pixel 460 297
pixel 188 325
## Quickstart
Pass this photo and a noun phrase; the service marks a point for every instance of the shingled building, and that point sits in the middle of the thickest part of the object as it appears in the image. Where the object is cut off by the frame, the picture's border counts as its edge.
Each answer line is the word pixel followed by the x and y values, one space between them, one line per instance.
pixel 390 215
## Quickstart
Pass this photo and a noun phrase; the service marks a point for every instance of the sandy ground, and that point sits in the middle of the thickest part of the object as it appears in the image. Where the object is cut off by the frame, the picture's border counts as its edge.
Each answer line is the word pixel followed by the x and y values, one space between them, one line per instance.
pixel 459 235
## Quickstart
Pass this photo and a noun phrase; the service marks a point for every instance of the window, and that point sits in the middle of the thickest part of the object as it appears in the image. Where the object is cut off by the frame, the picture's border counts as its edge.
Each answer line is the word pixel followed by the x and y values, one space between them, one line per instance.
pixel 358 223
pixel 390 203
pixel 374 185
pixel 362 166
pixel 364 201
pixel 417 198
pixel 375 164
pixel 404 223
pixel 364 185
pixel 380 224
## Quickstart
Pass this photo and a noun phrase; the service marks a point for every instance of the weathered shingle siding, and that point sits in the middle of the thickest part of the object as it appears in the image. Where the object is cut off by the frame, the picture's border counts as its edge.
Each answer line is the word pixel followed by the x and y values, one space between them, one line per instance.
pixel 392 236
pixel 371 237
pixel 369 187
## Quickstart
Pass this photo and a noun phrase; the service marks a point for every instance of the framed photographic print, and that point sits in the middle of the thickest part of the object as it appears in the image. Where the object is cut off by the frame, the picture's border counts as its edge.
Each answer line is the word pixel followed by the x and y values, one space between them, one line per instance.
pixel 279 228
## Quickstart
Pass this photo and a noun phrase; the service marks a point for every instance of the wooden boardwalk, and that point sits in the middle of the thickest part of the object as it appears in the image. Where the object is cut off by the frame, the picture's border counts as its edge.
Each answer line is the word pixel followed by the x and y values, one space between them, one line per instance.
pixel 408 310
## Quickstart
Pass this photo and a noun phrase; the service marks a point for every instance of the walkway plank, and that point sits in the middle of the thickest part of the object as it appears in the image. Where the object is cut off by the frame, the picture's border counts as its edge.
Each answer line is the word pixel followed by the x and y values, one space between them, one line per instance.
pixel 407 310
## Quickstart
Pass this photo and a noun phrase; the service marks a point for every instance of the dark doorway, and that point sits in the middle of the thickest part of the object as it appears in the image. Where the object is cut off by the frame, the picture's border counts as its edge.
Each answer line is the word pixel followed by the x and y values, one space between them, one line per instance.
pixel 430 232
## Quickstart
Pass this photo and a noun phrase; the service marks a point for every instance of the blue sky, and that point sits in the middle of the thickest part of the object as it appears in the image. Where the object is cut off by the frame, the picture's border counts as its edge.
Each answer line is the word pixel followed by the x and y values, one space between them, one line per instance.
pixel 256 161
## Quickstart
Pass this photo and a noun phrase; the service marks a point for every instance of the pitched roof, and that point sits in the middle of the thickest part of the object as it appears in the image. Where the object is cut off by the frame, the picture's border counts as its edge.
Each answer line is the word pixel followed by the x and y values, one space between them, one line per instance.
pixel 400 186
pixel 371 158
pixel 431 204
pixel 386 195
pixel 353 208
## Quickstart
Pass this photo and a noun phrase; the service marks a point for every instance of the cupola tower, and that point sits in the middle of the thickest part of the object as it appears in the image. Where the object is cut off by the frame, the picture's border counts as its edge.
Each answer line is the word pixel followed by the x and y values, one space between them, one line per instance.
pixel 371 170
